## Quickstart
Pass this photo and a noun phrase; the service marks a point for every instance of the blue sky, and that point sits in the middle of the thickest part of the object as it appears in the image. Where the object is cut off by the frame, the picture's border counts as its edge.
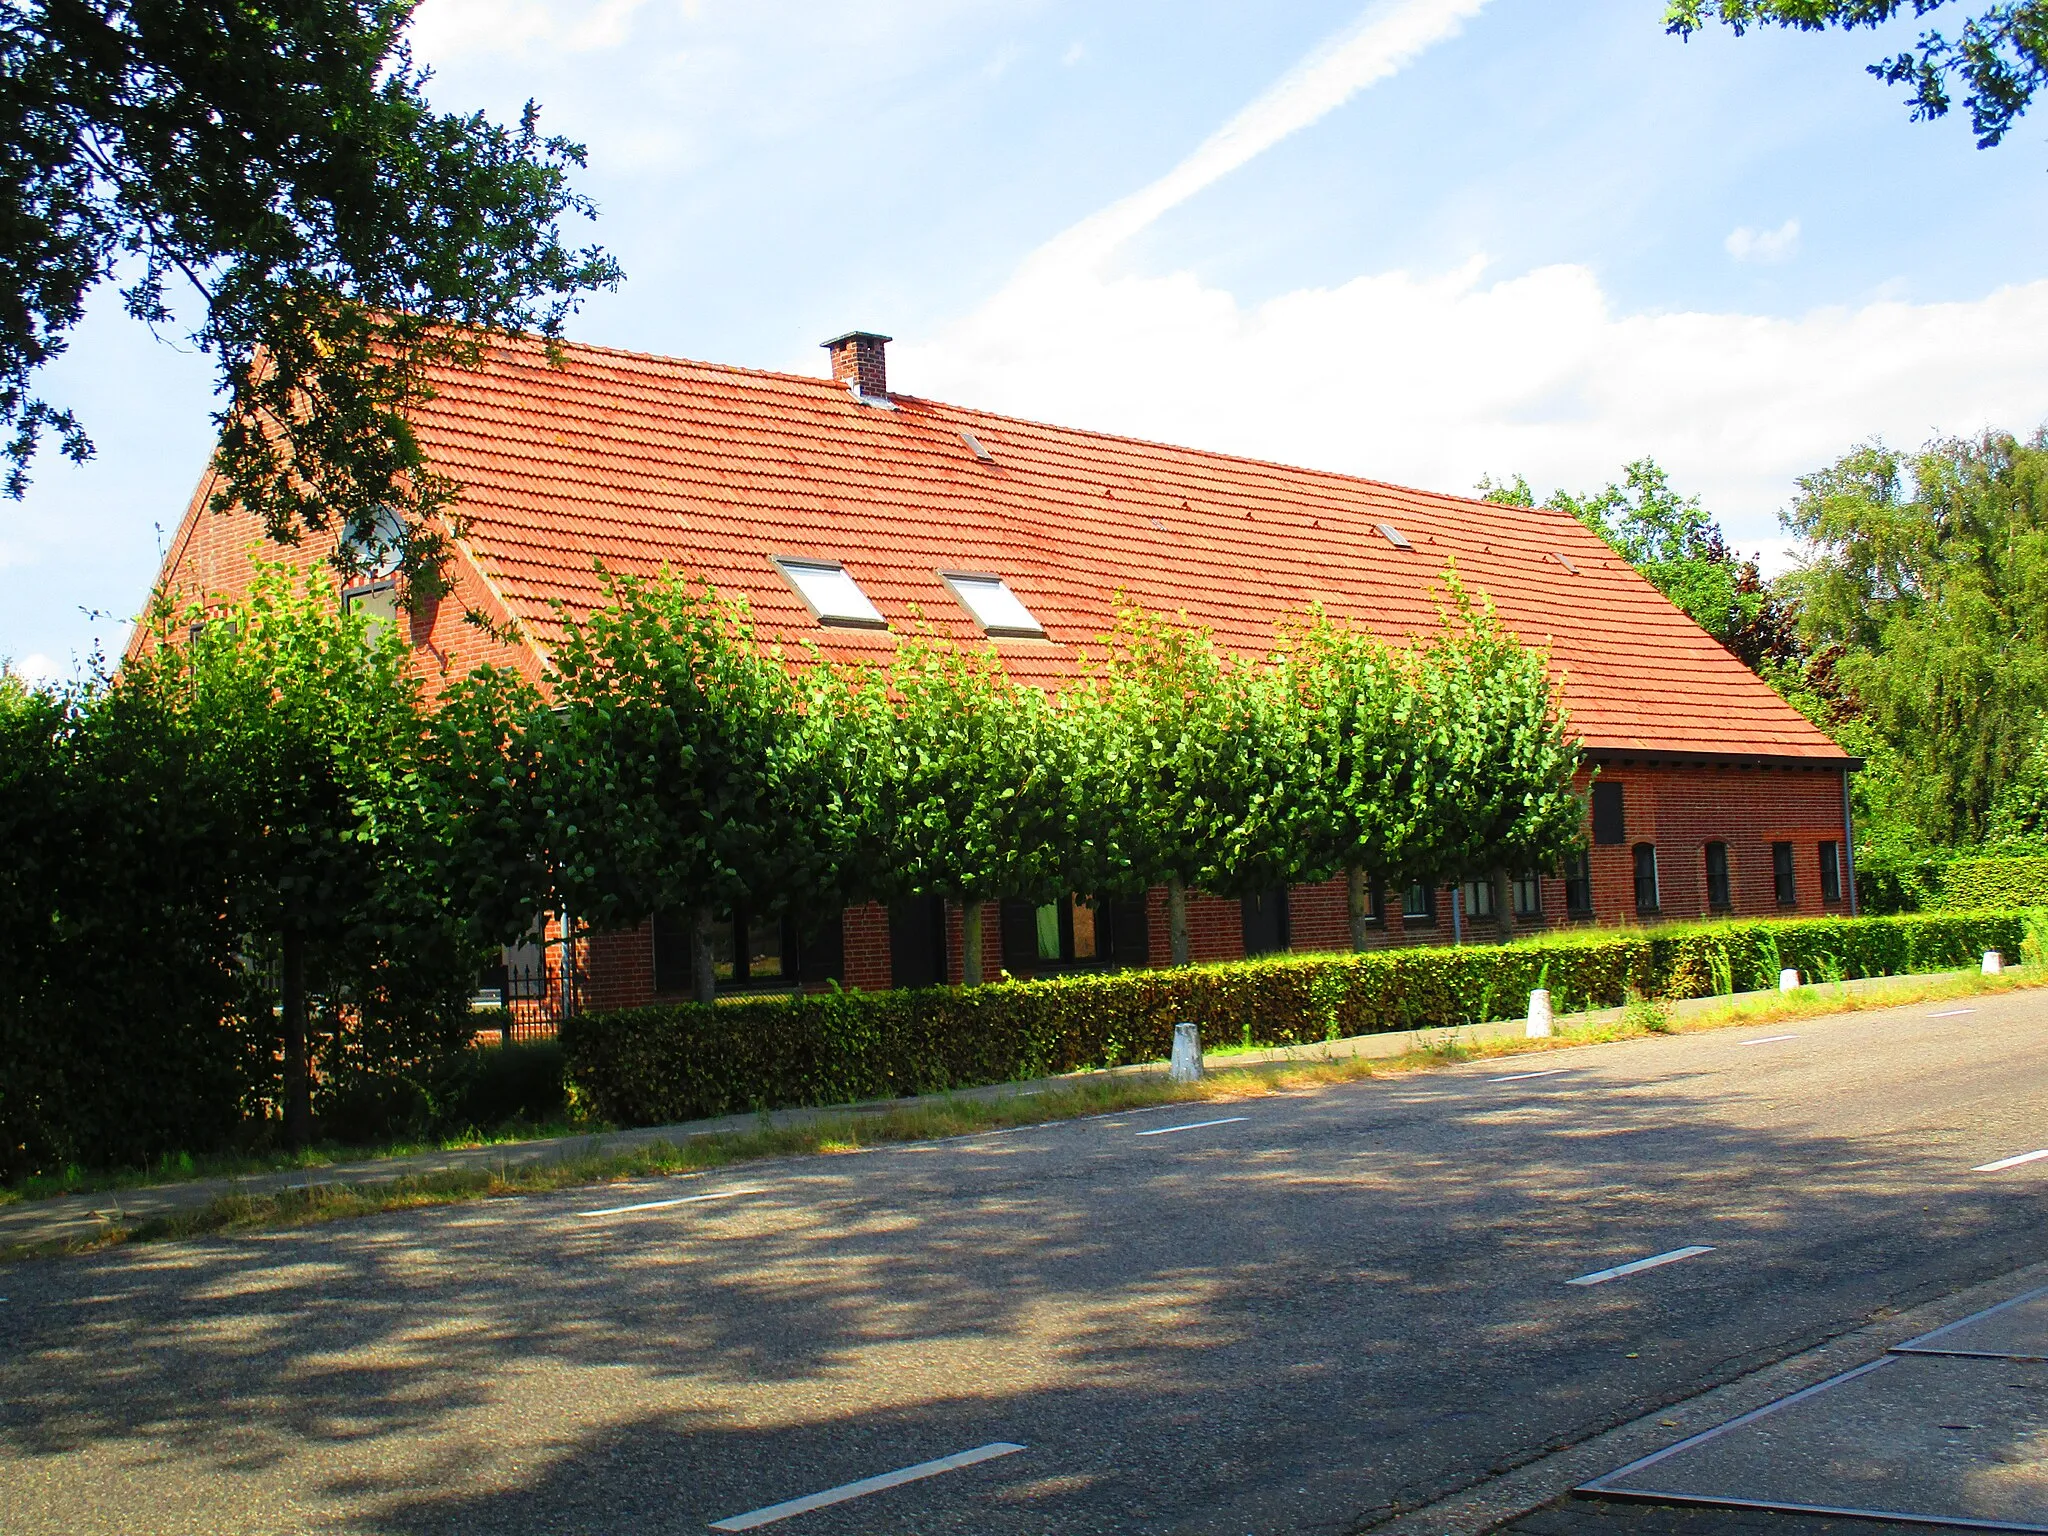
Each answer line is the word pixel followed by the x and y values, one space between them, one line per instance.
pixel 1419 240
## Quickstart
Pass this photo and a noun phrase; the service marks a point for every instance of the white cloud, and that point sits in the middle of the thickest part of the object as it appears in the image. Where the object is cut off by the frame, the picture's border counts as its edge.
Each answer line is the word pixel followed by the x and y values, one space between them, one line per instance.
pixel 1434 379
pixel 1380 43
pixel 1075 53
pixel 35 668
pixel 1765 246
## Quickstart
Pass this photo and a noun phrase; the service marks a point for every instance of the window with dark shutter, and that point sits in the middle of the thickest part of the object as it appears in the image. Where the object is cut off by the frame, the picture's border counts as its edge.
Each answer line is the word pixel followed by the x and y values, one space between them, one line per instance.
pixel 1265 922
pixel 917 942
pixel 1578 885
pixel 1830 872
pixel 671 953
pixel 1646 878
pixel 1717 878
pixel 821 950
pixel 1781 875
pixel 1609 825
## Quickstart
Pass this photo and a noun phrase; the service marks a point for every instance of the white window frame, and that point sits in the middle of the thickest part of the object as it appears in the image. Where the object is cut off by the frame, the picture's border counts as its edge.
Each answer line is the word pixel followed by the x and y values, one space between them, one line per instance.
pixel 953 579
pixel 788 565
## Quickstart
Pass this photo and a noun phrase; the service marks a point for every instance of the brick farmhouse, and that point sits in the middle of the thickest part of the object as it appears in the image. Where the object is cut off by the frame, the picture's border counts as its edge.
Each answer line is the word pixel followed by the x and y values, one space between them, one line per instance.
pixel 846 514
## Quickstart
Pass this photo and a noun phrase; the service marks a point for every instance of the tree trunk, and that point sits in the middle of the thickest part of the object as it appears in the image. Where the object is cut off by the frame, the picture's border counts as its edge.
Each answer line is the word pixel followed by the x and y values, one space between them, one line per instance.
pixel 298 1075
pixel 1177 919
pixel 1504 905
pixel 970 942
pixel 1357 898
pixel 703 974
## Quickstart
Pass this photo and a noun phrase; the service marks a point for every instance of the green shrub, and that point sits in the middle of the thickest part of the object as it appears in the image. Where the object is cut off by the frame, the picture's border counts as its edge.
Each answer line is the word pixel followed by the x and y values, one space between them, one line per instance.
pixel 502 1085
pixel 1971 884
pixel 649 1066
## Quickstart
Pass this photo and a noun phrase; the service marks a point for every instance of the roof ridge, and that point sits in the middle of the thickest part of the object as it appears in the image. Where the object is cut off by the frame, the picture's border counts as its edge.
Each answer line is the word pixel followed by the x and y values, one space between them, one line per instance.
pixel 833 388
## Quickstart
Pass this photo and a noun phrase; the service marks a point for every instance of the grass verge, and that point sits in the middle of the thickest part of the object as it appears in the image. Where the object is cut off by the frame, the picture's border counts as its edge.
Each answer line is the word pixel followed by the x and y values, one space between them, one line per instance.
pixel 952 1115
pixel 178 1168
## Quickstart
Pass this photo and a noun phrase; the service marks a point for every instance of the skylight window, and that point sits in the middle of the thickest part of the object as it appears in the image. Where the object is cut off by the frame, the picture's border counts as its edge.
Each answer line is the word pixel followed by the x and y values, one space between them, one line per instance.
pixel 831 594
pixel 975 447
pixel 995 607
pixel 1395 536
pixel 1565 561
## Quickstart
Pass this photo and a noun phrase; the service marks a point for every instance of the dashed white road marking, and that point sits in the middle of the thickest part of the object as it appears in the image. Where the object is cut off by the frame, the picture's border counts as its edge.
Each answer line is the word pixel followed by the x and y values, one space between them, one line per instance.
pixel 1769 1039
pixel 810 1501
pixel 662 1205
pixel 1602 1276
pixel 2011 1162
pixel 1522 1077
pixel 1168 1130
pixel 1953 1013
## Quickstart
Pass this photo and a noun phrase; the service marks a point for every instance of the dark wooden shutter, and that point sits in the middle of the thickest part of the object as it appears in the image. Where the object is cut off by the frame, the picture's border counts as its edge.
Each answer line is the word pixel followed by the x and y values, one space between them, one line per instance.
pixel 1264 917
pixel 917 942
pixel 671 952
pixel 1609 825
pixel 1130 934
pixel 820 950
pixel 1020 938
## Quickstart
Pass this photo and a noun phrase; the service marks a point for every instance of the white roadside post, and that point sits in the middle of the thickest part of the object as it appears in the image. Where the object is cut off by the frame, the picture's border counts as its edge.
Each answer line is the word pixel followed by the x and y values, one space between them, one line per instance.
pixel 1186 1065
pixel 1788 980
pixel 1994 963
pixel 1539 1014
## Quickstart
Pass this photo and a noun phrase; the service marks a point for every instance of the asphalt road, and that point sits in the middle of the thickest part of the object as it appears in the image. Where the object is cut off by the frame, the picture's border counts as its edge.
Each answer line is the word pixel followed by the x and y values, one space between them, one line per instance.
pixel 1331 1305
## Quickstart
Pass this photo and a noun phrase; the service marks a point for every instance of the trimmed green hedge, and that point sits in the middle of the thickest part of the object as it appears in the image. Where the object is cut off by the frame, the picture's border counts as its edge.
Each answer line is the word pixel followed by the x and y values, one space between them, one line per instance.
pixel 651 1066
pixel 1970 884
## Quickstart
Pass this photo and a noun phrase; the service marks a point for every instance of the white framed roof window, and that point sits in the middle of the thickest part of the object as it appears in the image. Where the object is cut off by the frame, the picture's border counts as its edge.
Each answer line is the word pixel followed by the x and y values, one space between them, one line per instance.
pixel 832 595
pixel 994 606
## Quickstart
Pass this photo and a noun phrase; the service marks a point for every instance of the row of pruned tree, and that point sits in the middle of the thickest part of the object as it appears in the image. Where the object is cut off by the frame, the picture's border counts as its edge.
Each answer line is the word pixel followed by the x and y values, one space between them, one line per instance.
pixel 679 764
pixel 264 862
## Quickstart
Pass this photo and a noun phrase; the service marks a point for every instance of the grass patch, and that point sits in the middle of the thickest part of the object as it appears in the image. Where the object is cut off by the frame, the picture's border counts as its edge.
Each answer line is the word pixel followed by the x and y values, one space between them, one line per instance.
pixel 182 1167
pixel 949 1116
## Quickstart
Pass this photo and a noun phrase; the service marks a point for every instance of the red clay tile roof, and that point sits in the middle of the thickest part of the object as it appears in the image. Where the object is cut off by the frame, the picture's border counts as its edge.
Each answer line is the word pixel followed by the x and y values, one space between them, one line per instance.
pixel 642 461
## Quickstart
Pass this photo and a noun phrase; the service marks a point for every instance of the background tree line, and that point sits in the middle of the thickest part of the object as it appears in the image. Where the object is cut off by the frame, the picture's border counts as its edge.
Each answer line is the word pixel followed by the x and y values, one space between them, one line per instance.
pixel 1914 630
pixel 253 879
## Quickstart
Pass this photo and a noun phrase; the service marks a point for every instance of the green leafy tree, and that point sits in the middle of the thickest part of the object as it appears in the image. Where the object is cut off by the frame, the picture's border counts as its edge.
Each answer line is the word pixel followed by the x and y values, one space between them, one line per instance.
pixel 118 979
pixel 2000 55
pixel 976 787
pixel 1502 753
pixel 306 729
pixel 683 766
pixel 1679 549
pixel 1928 578
pixel 1212 783
pixel 339 237
pixel 1373 811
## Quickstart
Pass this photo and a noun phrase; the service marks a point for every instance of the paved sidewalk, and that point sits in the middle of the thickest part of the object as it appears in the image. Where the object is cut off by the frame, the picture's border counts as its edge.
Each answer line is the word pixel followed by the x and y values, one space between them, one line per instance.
pixel 1947 1427
pixel 76 1216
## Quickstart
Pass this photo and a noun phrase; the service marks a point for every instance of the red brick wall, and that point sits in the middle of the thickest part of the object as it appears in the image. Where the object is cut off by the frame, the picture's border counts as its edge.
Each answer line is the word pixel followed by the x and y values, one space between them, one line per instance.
pixel 213 558
pixel 866 936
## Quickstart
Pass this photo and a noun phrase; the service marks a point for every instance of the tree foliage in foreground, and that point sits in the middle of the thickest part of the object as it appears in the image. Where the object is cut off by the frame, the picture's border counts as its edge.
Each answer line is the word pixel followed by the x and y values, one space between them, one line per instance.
pixel 683 767
pixel 977 788
pixel 1204 765
pixel 2000 55
pixel 281 166
pixel 305 733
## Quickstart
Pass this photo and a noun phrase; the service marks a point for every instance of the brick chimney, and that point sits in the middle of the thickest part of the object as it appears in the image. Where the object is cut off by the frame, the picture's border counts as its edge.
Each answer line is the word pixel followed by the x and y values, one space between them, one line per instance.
pixel 860 361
